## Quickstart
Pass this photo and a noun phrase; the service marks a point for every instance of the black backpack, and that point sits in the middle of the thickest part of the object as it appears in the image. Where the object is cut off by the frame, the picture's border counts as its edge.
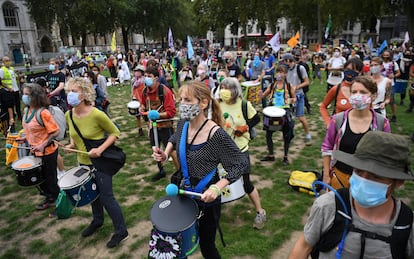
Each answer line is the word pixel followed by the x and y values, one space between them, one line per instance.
pixel 398 239
pixel 306 88
pixel 250 122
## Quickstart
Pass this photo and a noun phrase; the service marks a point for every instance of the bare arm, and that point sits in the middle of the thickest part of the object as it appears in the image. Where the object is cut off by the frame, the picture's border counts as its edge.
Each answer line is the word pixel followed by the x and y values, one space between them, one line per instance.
pixel 301 250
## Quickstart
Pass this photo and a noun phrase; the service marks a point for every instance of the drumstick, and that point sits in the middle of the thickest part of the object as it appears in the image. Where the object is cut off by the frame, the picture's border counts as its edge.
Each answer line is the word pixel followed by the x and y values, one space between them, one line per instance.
pixel 70 149
pixel 227 116
pixel 11 146
pixel 172 190
pixel 29 148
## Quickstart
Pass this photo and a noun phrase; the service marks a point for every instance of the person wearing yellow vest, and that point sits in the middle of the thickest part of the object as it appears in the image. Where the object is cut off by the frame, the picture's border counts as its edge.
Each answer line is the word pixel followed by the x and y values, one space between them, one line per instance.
pixel 7 83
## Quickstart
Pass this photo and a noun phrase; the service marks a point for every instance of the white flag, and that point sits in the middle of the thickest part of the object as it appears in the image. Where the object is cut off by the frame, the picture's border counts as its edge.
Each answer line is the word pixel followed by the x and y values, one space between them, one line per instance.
pixel 170 39
pixel 406 40
pixel 275 42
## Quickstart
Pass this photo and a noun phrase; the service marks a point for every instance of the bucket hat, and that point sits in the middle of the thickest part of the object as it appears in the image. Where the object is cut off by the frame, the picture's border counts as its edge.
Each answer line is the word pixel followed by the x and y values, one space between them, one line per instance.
pixel 383 154
pixel 139 67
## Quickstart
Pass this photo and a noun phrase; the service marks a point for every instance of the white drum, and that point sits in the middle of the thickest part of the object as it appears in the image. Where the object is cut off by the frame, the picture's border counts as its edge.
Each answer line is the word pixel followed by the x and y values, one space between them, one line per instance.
pixel 133 107
pixel 250 83
pixel 232 191
pixel 273 118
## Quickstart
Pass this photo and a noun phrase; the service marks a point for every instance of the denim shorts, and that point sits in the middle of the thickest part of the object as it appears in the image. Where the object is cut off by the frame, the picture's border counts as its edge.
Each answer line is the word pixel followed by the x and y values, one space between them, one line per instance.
pixel 300 105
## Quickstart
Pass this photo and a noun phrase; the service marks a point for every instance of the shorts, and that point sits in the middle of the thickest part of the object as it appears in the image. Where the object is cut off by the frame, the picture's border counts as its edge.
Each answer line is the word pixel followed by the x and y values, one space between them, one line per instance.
pixel 300 105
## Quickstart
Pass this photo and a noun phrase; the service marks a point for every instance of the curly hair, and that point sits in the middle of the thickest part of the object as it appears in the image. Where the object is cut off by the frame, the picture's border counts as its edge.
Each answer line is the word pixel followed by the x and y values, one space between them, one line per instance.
pixel 38 97
pixel 85 86
pixel 201 92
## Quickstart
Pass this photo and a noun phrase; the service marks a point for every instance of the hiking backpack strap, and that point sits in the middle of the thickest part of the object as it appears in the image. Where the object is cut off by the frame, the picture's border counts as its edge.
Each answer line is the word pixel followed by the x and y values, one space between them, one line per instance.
pixel 339 119
pixel 39 117
pixel 380 121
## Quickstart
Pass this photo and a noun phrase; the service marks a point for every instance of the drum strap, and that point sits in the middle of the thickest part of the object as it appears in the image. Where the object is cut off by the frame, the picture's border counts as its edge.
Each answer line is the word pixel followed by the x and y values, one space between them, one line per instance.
pixel 184 166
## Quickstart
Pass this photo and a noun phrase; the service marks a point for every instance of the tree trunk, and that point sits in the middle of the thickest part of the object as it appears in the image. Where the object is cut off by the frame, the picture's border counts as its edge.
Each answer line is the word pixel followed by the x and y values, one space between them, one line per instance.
pixel 319 24
pixel 83 48
pixel 125 32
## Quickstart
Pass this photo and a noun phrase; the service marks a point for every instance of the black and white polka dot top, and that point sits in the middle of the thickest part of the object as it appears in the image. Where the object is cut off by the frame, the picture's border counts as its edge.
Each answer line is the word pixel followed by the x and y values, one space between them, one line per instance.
pixel 220 148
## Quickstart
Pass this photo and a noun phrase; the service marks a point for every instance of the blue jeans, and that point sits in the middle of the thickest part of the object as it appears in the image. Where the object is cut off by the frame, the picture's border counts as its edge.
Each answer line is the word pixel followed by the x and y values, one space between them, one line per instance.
pixel 300 105
pixel 107 200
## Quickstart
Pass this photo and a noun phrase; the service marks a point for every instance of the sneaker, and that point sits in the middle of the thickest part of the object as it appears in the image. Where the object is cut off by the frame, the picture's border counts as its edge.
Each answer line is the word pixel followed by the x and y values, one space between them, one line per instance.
pixel 158 176
pixel 393 118
pixel 46 203
pixel 52 214
pixel 260 220
pixel 116 239
pixel 92 228
pixel 268 158
pixel 285 161
pixel 308 141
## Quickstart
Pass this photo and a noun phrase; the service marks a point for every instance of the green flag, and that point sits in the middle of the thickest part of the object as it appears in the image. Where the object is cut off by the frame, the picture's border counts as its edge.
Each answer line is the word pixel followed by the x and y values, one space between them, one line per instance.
pixel 174 73
pixel 328 27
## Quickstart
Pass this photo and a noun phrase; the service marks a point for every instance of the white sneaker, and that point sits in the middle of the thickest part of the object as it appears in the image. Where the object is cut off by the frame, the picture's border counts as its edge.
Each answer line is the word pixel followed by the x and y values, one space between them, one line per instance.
pixel 260 220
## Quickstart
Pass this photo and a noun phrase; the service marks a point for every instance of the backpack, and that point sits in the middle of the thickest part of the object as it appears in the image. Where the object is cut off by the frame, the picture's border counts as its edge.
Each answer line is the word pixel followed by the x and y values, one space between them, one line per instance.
pixel 250 122
pixel 398 239
pixel 302 181
pixel 59 117
pixel 306 88
pixel 340 120
pixel 336 96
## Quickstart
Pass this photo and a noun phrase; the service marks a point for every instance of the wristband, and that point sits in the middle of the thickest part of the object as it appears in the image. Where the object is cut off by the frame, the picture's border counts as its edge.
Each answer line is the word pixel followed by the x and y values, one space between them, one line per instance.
pixel 215 188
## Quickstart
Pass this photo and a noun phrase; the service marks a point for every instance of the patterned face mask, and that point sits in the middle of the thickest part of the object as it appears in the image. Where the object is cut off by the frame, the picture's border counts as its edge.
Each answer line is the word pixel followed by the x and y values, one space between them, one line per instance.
pixel 359 101
pixel 189 111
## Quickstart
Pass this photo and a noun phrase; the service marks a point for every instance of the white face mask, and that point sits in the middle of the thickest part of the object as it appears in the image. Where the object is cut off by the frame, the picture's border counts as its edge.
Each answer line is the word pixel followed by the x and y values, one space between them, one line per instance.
pixel 337 54
pixel 375 69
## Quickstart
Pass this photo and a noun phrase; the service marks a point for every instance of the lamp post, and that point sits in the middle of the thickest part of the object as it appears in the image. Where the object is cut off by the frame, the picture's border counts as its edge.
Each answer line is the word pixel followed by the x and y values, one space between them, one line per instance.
pixel 21 34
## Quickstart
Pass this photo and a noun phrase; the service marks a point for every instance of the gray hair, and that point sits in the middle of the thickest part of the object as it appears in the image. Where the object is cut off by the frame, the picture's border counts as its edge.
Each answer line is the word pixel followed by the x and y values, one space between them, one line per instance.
pixel 229 55
pixel 233 85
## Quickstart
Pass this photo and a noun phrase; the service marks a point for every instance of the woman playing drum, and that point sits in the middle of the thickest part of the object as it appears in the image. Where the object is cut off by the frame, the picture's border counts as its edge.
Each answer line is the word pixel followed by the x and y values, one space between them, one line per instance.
pixel 206 145
pixel 238 128
pixel 93 124
pixel 40 139
pixel 282 95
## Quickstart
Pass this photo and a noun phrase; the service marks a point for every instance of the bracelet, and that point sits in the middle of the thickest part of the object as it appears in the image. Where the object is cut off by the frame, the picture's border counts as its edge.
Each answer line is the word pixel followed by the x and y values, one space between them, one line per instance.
pixel 215 188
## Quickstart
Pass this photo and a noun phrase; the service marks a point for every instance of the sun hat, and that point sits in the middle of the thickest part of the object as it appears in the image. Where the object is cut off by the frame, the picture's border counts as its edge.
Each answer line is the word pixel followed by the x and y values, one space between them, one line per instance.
pixel 139 67
pixel 381 153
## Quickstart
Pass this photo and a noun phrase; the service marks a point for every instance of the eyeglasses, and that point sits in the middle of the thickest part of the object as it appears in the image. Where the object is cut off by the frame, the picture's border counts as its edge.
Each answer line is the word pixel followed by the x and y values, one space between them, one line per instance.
pixel 289 61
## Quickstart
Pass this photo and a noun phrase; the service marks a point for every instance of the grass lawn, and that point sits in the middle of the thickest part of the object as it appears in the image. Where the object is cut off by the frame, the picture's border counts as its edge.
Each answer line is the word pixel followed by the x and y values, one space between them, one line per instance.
pixel 25 232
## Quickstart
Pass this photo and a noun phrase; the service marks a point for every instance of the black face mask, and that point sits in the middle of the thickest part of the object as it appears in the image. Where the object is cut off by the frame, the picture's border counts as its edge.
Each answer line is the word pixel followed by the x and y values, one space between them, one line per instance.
pixel 266 52
pixel 349 75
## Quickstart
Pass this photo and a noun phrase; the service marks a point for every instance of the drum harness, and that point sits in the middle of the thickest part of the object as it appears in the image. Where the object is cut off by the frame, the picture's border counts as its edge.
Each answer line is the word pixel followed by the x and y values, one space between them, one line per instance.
pixel 184 169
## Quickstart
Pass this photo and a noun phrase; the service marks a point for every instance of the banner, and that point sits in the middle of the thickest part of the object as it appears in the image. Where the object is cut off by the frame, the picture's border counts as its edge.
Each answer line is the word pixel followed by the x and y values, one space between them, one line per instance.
pixel 170 39
pixel 383 46
pixel 328 27
pixel 406 40
pixel 113 42
pixel 275 42
pixel 190 50
pixel 294 40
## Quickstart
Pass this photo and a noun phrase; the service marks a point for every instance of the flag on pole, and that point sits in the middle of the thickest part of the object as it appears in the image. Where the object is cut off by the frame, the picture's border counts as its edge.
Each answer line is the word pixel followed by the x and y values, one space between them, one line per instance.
pixel 190 50
pixel 328 27
pixel 174 72
pixel 294 40
pixel 275 42
pixel 113 42
pixel 406 40
pixel 170 39
pixel 369 43
pixel 383 46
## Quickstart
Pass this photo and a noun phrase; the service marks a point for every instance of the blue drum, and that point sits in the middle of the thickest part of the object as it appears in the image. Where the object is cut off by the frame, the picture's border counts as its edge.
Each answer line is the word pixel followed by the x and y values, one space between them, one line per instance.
pixel 79 185
pixel 175 232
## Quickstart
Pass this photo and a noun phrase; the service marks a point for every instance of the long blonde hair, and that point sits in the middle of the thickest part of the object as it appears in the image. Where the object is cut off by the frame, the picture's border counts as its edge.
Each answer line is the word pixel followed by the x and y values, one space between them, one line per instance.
pixel 201 92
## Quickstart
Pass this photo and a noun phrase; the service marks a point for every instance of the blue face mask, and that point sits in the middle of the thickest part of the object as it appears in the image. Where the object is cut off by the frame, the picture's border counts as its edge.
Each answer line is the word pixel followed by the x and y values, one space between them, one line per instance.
pixel 148 81
pixel 256 61
pixel 73 99
pixel 349 75
pixel 366 192
pixel 26 99
pixel 51 67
